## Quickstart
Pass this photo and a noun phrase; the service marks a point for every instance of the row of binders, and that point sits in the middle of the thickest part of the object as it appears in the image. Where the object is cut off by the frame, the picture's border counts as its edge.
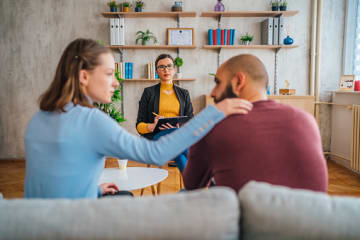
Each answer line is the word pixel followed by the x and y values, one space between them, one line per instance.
pixel 221 36
pixel 125 69
pixel 117 31
pixel 152 74
pixel 273 31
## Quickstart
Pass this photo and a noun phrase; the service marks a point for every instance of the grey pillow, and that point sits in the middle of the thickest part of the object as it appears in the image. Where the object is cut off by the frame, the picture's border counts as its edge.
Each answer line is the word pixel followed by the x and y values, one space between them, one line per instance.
pixel 202 214
pixel 276 212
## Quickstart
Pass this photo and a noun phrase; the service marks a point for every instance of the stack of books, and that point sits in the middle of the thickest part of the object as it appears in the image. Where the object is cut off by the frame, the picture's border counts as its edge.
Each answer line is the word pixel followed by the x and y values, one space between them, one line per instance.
pixel 152 74
pixel 125 69
pixel 221 36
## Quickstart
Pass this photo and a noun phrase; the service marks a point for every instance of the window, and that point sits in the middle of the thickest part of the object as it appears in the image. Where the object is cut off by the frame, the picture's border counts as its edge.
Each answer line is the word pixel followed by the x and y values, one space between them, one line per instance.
pixel 351 60
pixel 357 46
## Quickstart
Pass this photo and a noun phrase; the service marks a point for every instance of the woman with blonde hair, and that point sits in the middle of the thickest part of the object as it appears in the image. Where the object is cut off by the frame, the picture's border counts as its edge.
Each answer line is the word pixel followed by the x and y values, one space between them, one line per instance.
pixel 67 140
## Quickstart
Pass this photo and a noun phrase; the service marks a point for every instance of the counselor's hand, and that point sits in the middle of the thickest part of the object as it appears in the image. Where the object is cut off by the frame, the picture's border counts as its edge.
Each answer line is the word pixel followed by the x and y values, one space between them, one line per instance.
pixel 108 188
pixel 151 126
pixel 168 126
pixel 234 106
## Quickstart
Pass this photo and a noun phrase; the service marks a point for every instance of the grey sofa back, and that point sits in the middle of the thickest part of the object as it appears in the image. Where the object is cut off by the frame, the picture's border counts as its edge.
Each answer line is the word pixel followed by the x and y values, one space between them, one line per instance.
pixel 267 212
pixel 204 214
pixel 276 212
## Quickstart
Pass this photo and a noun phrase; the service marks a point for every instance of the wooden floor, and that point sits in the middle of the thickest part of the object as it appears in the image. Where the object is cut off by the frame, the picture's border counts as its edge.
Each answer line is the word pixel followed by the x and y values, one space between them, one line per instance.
pixel 12 173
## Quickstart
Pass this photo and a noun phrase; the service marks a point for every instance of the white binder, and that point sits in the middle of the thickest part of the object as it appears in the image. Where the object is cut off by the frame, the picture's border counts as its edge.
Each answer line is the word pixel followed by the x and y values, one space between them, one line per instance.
pixel 282 33
pixel 267 32
pixel 117 27
pixel 112 31
pixel 276 31
pixel 121 31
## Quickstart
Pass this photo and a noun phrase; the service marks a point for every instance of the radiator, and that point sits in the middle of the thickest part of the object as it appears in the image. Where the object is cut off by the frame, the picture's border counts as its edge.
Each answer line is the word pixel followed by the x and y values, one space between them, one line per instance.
pixel 355 145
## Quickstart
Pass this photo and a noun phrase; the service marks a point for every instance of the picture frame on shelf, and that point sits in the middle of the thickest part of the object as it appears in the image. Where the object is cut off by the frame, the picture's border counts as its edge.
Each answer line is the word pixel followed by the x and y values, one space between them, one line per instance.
pixel 347 83
pixel 180 36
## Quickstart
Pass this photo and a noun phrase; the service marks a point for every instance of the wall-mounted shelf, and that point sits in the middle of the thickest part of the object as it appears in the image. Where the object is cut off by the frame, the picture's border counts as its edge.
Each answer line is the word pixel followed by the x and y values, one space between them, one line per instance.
pixel 248 46
pixel 156 80
pixel 151 47
pixel 249 14
pixel 149 14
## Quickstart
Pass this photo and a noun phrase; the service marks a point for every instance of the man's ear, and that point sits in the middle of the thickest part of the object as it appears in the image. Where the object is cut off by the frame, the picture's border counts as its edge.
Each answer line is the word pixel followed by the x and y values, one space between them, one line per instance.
pixel 83 78
pixel 238 83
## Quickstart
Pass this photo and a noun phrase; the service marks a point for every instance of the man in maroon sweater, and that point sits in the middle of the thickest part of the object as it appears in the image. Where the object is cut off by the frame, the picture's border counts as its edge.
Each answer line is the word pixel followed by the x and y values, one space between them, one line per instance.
pixel 273 143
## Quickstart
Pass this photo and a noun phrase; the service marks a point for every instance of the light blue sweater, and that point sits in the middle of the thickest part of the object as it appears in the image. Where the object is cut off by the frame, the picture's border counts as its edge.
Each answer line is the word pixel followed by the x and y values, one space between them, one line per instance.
pixel 65 152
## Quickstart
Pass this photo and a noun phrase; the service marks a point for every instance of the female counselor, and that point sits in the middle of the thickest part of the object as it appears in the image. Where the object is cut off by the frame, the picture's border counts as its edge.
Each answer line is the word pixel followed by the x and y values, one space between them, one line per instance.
pixel 166 100
pixel 67 140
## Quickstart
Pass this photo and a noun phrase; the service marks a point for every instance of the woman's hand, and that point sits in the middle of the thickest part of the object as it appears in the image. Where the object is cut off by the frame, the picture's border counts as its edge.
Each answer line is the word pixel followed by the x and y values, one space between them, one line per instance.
pixel 151 126
pixel 168 126
pixel 234 106
pixel 110 188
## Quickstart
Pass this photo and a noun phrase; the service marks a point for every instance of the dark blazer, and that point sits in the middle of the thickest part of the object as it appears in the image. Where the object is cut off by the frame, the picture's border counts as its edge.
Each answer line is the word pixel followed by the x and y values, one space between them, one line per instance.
pixel 149 103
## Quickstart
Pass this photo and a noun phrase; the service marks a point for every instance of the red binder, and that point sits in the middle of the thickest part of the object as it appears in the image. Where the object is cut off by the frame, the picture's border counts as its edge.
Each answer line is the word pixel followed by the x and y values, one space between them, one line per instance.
pixel 214 37
pixel 222 36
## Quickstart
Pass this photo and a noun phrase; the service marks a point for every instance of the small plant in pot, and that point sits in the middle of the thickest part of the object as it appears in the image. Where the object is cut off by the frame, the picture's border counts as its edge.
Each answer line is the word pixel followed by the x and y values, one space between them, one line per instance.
pixel 145 37
pixel 246 39
pixel 274 5
pixel 113 6
pixel 283 5
pixel 126 6
pixel 139 5
pixel 178 62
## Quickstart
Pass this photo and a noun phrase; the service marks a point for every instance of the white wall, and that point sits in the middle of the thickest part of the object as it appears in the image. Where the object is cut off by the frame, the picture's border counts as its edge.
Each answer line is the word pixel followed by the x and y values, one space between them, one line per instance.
pixel 36 32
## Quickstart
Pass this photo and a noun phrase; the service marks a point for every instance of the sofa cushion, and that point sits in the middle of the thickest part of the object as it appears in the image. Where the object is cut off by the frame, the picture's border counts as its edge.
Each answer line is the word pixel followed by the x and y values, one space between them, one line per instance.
pixel 276 212
pixel 202 214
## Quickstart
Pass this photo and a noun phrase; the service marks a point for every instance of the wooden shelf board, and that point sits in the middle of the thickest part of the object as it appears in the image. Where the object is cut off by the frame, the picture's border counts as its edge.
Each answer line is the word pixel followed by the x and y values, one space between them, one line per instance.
pixel 156 80
pixel 248 46
pixel 151 47
pixel 148 14
pixel 249 14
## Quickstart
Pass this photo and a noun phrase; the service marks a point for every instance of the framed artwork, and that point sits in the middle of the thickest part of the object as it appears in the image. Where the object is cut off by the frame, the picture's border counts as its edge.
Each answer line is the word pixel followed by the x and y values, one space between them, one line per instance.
pixel 180 36
pixel 347 83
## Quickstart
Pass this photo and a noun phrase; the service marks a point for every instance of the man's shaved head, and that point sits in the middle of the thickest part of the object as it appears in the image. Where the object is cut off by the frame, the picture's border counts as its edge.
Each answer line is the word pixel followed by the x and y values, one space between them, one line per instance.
pixel 243 76
pixel 250 65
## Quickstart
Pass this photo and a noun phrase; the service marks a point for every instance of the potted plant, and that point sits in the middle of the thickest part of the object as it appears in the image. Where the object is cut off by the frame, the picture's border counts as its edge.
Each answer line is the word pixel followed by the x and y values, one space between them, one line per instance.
pixel 112 108
pixel 145 37
pixel 246 39
pixel 274 5
pixel 139 5
pixel 126 6
pixel 113 6
pixel 178 62
pixel 283 5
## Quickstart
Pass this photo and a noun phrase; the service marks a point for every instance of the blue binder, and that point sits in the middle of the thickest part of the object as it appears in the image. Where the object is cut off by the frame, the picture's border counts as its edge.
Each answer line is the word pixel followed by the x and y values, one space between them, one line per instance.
pixel 210 36
pixel 218 36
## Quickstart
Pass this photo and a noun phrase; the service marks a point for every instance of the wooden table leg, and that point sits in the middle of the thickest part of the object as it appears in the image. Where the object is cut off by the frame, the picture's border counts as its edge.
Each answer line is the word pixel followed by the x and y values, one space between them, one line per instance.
pixel 153 190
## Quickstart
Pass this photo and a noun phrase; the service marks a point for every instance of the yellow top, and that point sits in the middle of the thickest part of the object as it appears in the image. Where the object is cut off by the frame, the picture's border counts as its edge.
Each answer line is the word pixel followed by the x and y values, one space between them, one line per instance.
pixel 169 105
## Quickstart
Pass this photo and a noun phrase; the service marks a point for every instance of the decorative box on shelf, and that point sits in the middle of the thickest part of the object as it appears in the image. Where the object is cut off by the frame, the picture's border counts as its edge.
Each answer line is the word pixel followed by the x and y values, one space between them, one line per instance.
pixel 286 91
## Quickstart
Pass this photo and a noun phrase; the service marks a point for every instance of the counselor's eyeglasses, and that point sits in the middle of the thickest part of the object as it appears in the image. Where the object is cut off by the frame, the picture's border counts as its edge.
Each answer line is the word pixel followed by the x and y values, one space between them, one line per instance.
pixel 163 67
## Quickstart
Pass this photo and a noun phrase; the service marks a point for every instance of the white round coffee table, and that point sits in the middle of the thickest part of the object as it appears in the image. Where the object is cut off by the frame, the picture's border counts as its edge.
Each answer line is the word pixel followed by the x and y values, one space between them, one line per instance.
pixel 132 178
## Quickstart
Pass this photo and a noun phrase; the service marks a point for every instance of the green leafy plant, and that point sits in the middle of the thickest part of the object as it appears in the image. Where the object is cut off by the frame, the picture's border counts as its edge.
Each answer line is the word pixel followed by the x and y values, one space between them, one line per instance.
pixel 212 74
pixel 139 4
pixel 274 3
pixel 145 37
pixel 126 4
pixel 112 4
pixel 112 108
pixel 178 61
pixel 247 38
pixel 283 3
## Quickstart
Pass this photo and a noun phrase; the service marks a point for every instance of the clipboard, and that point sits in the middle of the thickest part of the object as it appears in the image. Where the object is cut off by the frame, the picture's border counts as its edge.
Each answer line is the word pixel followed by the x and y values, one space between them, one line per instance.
pixel 172 120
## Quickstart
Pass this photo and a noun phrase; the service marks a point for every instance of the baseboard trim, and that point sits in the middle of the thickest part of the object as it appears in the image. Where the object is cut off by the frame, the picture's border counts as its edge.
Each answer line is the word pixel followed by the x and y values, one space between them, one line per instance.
pixel 342 161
